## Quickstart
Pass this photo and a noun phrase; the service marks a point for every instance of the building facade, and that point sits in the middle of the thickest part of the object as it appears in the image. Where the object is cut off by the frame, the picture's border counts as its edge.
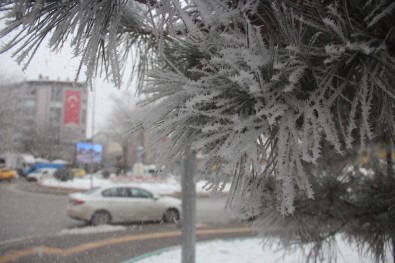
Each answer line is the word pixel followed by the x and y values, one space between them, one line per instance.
pixel 132 149
pixel 53 118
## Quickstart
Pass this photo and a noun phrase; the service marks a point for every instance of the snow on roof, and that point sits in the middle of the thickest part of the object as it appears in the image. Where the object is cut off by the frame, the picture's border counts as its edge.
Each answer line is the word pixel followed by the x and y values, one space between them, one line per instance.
pixel 60 161
pixel 41 160
pixel 28 158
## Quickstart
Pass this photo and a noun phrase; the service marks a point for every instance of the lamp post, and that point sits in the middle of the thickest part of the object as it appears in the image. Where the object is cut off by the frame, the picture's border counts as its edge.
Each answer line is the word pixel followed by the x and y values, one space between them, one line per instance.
pixel 90 165
pixel 188 189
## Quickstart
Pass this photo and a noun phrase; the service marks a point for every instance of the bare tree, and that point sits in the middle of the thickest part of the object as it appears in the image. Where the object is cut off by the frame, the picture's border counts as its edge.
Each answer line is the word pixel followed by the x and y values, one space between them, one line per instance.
pixel 43 141
pixel 117 124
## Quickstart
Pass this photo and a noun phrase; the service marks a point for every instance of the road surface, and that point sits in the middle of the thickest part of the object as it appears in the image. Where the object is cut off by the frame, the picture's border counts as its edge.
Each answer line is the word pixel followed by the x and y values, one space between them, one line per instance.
pixel 31 224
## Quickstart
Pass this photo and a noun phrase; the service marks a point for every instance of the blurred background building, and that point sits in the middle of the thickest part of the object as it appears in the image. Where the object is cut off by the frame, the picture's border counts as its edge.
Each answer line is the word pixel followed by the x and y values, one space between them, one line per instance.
pixel 123 153
pixel 52 118
pixel 47 118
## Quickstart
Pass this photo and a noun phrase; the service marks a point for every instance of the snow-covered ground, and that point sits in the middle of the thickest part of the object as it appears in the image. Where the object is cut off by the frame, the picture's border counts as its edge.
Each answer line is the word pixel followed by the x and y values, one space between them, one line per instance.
pixel 165 186
pixel 247 251
pixel 92 230
pixel 242 250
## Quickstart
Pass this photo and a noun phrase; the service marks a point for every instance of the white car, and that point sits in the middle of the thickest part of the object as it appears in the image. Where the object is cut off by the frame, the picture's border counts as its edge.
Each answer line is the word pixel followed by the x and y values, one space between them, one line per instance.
pixel 122 203
pixel 41 173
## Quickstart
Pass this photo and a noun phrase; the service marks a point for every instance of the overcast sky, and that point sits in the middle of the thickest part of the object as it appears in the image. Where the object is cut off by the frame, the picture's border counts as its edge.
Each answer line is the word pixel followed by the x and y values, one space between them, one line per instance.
pixel 62 66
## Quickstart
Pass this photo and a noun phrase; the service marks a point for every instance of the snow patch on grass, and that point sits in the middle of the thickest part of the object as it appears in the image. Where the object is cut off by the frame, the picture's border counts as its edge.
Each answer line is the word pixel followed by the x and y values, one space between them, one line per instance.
pixel 92 230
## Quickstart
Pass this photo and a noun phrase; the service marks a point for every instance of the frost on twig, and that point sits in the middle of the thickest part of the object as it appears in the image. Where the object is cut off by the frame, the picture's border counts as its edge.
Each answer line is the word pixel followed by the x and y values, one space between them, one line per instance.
pixel 256 108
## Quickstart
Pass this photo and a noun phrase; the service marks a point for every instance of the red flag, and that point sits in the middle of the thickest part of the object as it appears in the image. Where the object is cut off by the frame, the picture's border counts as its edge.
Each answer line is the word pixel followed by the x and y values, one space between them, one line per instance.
pixel 72 107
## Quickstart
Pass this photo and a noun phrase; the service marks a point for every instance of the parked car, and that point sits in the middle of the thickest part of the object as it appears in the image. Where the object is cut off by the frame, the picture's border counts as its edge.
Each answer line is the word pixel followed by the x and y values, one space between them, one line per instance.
pixel 36 167
pixel 78 172
pixel 122 203
pixel 67 173
pixel 18 162
pixel 7 173
pixel 41 173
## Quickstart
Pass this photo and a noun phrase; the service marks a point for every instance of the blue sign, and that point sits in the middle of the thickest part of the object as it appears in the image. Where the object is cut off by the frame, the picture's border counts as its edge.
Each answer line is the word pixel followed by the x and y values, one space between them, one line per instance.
pixel 89 152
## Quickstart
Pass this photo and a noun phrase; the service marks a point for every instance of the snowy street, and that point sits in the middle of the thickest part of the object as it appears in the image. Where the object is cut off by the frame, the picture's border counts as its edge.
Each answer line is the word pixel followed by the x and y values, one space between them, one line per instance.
pixel 35 228
pixel 27 214
pixel 37 220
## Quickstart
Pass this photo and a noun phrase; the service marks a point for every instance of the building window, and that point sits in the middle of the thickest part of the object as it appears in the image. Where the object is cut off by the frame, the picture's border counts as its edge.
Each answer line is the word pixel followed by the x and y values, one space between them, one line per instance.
pixel 31 91
pixel 55 117
pixel 56 93
pixel 83 117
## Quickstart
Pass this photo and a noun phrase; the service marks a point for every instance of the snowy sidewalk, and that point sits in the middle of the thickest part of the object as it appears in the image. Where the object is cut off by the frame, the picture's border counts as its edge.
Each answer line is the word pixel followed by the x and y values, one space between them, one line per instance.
pixel 246 250
pixel 168 186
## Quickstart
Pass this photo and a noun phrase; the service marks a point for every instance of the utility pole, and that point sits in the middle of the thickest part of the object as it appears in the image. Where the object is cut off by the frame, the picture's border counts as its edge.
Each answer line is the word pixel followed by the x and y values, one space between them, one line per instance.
pixel 90 165
pixel 390 174
pixel 188 190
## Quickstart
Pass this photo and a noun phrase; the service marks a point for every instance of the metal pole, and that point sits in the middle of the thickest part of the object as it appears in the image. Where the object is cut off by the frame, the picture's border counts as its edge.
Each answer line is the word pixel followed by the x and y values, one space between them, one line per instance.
pixel 188 190
pixel 90 165
pixel 390 174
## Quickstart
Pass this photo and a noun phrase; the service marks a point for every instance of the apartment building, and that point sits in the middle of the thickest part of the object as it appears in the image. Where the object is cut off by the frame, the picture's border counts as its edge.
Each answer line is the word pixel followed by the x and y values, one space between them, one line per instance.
pixel 53 117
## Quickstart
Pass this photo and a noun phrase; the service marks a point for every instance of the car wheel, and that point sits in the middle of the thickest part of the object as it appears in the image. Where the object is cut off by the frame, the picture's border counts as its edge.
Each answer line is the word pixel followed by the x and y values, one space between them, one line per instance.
pixel 101 218
pixel 171 216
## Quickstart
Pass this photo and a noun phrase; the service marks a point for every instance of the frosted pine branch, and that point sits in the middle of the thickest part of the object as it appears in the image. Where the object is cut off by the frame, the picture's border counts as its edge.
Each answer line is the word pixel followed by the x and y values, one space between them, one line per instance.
pixel 256 87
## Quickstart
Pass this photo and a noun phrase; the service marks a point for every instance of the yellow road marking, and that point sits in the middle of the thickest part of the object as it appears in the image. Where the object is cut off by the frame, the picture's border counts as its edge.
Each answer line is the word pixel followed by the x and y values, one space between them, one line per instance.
pixel 16 255
pixel 13 256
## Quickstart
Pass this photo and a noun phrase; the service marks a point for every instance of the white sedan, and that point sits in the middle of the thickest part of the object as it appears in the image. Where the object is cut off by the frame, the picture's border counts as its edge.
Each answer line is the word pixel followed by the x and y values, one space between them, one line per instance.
pixel 122 203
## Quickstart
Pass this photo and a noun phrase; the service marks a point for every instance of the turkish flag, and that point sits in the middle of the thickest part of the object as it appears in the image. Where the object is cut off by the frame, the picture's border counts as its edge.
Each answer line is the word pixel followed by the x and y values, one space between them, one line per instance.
pixel 72 101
